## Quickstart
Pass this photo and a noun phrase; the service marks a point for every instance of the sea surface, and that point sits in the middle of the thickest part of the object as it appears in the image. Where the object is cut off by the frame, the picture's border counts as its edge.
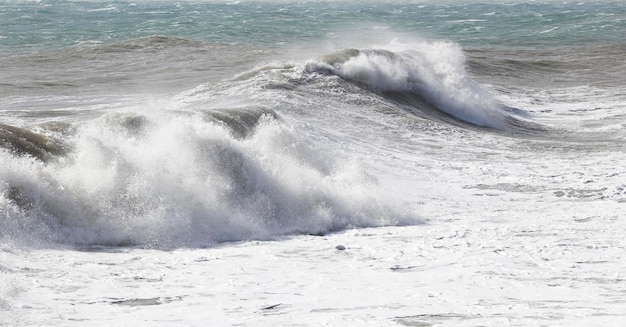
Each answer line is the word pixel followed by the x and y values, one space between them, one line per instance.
pixel 163 125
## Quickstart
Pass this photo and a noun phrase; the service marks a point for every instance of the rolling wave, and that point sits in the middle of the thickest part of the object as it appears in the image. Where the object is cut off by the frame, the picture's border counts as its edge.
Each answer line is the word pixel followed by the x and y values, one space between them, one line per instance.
pixel 433 77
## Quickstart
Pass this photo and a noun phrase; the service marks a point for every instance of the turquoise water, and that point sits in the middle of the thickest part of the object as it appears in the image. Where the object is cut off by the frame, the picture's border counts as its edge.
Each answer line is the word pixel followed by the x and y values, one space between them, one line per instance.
pixel 36 25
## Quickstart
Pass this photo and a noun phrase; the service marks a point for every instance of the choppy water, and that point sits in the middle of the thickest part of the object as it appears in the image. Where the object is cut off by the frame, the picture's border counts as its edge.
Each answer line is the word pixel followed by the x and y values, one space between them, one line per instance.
pixel 172 124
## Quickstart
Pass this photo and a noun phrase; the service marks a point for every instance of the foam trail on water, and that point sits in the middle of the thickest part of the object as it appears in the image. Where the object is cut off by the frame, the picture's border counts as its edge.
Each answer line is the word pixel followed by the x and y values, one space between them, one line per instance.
pixel 433 71
pixel 181 178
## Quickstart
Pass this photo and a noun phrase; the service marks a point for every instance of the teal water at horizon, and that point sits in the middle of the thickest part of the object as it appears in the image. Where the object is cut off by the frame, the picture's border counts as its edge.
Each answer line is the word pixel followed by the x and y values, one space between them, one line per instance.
pixel 33 26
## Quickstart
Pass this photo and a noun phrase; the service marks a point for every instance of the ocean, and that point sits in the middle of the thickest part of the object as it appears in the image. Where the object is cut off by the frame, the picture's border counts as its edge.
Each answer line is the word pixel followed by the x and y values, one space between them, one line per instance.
pixel 411 163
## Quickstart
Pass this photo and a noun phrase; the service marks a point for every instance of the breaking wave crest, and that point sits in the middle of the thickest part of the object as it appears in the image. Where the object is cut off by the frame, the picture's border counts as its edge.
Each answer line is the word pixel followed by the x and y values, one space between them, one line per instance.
pixel 184 178
pixel 424 75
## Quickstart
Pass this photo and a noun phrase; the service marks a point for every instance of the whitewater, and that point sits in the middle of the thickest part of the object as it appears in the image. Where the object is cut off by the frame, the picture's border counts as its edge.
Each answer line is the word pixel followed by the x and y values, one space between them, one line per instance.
pixel 264 163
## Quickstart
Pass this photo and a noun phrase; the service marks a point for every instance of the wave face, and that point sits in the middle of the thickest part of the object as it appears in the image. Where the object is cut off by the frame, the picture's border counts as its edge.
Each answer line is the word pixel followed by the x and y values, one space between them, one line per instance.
pixel 172 179
pixel 427 73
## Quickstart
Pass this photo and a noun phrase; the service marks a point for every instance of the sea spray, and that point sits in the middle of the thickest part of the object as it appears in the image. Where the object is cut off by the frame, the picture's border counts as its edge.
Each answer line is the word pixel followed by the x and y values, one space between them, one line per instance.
pixel 171 178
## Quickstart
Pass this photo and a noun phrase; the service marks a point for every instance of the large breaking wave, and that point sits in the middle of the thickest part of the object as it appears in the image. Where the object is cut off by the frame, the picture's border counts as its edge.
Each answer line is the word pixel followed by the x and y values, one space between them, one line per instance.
pixel 181 178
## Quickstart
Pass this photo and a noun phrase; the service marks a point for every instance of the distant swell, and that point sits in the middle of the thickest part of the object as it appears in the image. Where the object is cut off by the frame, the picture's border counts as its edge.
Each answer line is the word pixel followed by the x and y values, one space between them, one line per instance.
pixel 181 178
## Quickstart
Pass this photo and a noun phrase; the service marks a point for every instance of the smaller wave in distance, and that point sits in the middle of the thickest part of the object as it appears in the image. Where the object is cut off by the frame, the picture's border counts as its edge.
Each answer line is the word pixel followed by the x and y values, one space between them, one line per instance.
pixel 430 77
